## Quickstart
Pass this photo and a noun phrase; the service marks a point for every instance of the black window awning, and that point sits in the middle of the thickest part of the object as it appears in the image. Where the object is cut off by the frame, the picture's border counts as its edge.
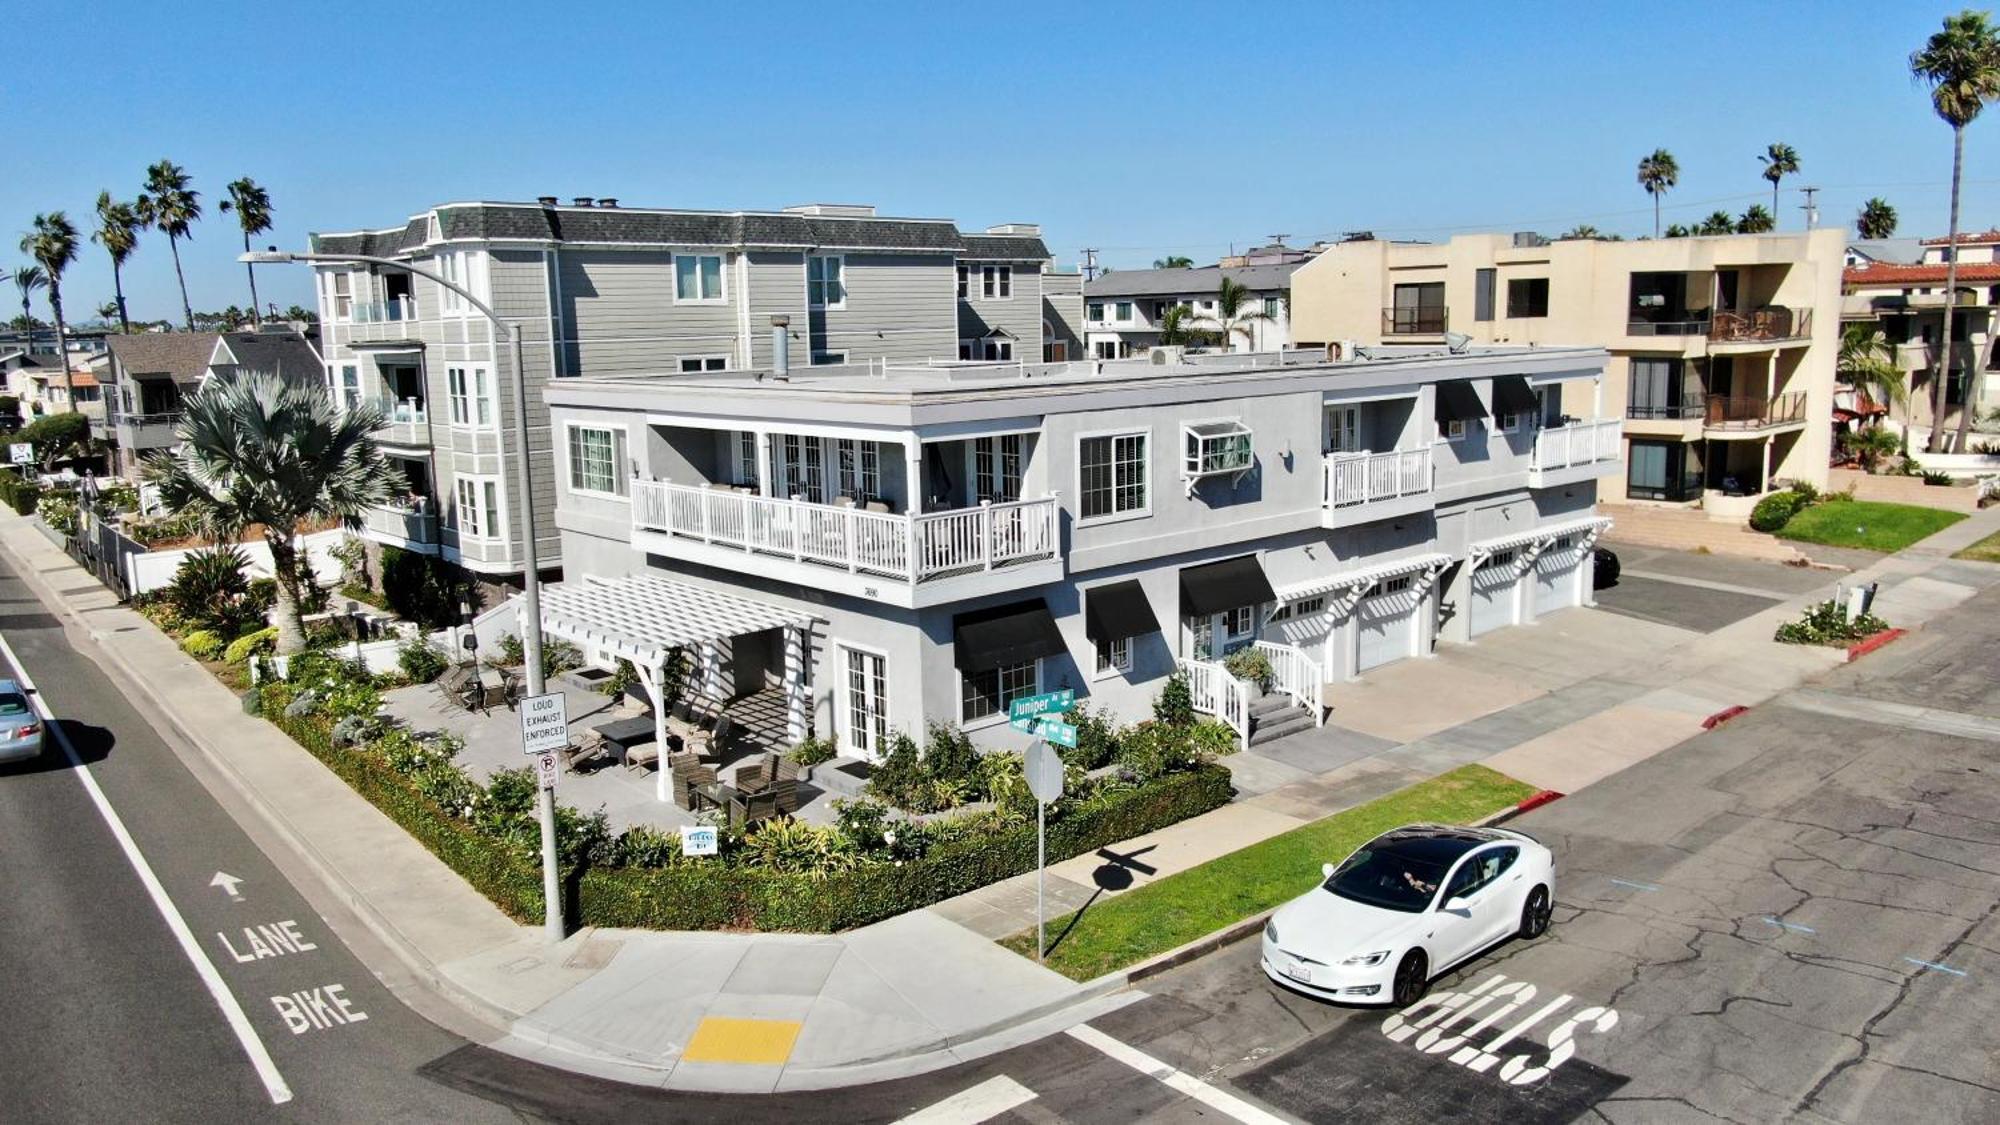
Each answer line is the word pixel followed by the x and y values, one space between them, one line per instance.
pixel 1458 402
pixel 1016 633
pixel 1219 586
pixel 1117 611
pixel 1513 395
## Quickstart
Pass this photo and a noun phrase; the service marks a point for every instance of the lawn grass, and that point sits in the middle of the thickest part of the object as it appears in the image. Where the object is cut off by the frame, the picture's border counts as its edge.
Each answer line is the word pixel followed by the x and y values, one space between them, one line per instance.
pixel 1180 908
pixel 1867 524
pixel 1986 550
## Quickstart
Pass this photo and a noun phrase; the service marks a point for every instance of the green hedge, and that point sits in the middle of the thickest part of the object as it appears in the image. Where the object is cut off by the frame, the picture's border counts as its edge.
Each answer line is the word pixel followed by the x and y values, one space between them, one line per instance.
pixel 17 493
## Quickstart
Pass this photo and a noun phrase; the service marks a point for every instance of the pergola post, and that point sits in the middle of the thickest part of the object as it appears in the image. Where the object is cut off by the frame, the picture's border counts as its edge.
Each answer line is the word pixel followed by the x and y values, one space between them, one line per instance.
pixel 795 684
pixel 662 783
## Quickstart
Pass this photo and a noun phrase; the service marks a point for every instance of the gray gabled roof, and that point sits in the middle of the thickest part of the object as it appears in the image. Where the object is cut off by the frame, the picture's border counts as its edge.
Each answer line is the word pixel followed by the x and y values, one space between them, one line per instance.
pixel 522 222
pixel 1897 251
pixel 1204 279
pixel 1005 247
pixel 283 353
pixel 181 355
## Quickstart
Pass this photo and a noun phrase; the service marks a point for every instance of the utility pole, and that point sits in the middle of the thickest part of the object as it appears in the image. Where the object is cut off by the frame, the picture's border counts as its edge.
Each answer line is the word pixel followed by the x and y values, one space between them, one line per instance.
pixel 1279 239
pixel 1090 263
pixel 1811 208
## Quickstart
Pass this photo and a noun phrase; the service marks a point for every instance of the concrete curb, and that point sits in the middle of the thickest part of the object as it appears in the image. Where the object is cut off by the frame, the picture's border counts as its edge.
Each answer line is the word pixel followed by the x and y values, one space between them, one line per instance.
pixel 1863 648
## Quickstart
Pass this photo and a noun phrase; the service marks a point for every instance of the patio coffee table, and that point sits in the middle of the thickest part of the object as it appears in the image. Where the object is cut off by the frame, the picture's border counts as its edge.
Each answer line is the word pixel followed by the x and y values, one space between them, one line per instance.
pixel 627 733
pixel 713 794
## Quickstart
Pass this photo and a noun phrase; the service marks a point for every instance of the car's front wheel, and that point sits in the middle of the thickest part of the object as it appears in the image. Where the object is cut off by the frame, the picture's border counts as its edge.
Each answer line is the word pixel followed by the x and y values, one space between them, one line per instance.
pixel 1535 914
pixel 1413 979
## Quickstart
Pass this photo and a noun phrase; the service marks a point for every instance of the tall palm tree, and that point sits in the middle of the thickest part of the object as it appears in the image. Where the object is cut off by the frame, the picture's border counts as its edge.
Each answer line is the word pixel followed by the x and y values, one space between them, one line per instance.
pixel 27 279
pixel 1173 262
pixel 1780 160
pixel 258 450
pixel 1755 220
pixel 118 232
pixel 1864 363
pixel 1876 220
pixel 1177 326
pixel 171 205
pixel 1718 222
pixel 1657 173
pixel 52 244
pixel 252 206
pixel 1235 314
pixel 1961 61
pixel 107 312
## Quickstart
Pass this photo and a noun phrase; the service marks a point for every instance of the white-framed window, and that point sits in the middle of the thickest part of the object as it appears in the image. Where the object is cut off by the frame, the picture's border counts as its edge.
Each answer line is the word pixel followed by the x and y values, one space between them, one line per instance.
pixel 828 359
pixel 1107 349
pixel 1510 422
pixel 1114 656
pixel 478 507
pixel 799 459
pixel 346 385
pixel 996 468
pixel 996 282
pixel 1343 429
pixel 967 348
pixel 1304 607
pixel 1097 311
pixel 694 364
pixel 1201 633
pixel 986 694
pixel 1388 586
pixel 342 288
pixel 1124 312
pixel 826 283
pixel 1112 475
pixel 1271 306
pixel 1453 430
pixel 995 348
pixel 746 458
pixel 866 714
pixel 964 275
pixel 470 389
pixel 1241 621
pixel 451 266
pixel 597 460
pixel 698 279
pixel 857 467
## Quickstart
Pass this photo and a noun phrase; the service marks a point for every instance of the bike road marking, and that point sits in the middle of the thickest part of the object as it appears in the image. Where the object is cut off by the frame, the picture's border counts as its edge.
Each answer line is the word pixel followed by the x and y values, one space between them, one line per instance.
pixel 267 1070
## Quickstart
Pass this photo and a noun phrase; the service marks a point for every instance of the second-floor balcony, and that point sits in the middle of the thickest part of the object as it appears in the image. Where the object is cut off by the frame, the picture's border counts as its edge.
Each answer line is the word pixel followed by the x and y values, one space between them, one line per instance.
pixel 1415 320
pixel 892 556
pixel 405 421
pixel 1769 324
pixel 395 309
pixel 1675 322
pixel 156 430
pixel 1359 487
pixel 1692 405
pixel 404 525
pixel 1588 446
pixel 1755 412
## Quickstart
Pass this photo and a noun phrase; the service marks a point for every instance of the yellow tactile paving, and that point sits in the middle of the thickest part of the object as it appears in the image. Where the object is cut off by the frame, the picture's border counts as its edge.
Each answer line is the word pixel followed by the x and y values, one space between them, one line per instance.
pixel 720 1039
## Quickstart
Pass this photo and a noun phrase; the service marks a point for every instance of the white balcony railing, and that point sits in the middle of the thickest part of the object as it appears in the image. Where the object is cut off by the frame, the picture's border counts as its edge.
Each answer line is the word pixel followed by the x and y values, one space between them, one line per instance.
pixel 383 312
pixel 1579 443
pixel 1359 478
pixel 912 549
pixel 400 411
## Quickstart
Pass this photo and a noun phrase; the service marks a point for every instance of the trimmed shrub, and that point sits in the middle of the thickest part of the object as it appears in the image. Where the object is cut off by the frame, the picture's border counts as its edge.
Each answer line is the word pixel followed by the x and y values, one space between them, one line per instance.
pixel 202 645
pixel 251 644
pixel 421 588
pixel 1826 624
pixel 17 493
pixel 1175 704
pixel 421 660
pixel 1250 664
pixel 813 751
pixel 1774 511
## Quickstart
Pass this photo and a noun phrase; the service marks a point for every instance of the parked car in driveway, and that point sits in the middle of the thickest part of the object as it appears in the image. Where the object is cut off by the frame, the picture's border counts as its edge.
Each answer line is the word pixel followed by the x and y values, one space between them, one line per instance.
pixel 20 729
pixel 1407 907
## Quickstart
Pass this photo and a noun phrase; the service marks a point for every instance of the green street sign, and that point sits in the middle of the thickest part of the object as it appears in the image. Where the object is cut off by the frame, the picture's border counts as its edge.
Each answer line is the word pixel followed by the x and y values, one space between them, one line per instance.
pixel 1060 733
pixel 1047 703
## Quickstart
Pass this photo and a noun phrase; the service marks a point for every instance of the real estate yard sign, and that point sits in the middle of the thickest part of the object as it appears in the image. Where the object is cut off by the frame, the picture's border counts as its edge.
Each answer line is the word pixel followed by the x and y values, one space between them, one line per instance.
pixel 21 452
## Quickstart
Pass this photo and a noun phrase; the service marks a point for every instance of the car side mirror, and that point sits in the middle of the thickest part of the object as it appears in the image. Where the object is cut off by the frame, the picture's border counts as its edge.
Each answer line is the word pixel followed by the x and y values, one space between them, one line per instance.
pixel 1326 870
pixel 1456 904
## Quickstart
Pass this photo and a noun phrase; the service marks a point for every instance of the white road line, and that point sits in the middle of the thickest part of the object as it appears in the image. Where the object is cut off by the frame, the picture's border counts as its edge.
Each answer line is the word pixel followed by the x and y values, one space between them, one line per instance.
pixel 274 1083
pixel 1187 1084
pixel 974 1104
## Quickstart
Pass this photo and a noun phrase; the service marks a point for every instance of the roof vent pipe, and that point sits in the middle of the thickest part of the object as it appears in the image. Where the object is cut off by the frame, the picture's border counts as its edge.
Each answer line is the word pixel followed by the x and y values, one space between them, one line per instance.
pixel 546 200
pixel 781 346
pixel 582 201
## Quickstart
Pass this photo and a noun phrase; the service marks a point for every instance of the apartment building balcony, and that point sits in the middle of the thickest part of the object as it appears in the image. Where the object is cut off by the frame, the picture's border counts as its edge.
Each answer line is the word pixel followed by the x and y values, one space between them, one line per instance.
pixel 1745 415
pixel 140 432
pixel 1577 452
pixel 1415 320
pixel 1773 325
pixel 405 421
pixel 408 526
pixel 1360 487
pixel 905 559
pixel 377 321
pixel 1679 323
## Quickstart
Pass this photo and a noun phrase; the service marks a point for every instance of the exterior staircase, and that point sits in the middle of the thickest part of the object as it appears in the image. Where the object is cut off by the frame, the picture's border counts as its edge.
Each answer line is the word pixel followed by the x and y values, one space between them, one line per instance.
pixel 1685 529
pixel 1274 716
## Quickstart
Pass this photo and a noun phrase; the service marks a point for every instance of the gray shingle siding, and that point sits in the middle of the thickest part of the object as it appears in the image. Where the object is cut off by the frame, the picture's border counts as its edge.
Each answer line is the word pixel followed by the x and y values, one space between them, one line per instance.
pixel 675 228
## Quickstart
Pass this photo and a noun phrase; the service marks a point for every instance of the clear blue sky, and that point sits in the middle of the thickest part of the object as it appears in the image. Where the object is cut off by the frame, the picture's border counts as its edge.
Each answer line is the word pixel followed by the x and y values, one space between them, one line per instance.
pixel 1144 129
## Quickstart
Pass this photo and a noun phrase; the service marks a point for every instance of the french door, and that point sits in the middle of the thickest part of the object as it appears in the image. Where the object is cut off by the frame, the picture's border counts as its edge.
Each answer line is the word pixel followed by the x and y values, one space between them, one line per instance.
pixel 867 705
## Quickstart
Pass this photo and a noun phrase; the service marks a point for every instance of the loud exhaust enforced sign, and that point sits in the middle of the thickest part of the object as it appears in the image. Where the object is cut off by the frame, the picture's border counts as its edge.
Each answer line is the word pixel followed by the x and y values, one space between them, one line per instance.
pixel 544 724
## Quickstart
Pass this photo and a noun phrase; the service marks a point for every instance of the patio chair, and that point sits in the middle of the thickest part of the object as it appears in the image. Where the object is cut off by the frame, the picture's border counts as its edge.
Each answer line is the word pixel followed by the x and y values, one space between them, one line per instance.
pixel 746 809
pixel 641 757
pixel 711 741
pixel 687 776
pixel 757 778
pixel 586 747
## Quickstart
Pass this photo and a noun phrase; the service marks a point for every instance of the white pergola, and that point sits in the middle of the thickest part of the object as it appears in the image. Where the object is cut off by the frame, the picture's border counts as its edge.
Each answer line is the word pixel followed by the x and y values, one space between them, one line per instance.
pixel 644 618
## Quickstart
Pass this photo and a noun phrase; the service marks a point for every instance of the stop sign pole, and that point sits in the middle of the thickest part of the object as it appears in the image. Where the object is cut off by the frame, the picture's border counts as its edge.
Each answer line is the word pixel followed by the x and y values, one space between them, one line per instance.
pixel 1045 780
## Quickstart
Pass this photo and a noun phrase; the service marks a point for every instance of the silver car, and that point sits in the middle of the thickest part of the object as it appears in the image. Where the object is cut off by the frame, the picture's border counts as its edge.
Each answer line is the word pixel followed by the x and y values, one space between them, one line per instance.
pixel 20 729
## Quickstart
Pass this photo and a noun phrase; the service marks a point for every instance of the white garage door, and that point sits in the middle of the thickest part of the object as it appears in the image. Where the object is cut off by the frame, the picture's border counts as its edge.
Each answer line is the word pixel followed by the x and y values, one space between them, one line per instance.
pixel 1383 621
pixel 1493 586
pixel 1555 575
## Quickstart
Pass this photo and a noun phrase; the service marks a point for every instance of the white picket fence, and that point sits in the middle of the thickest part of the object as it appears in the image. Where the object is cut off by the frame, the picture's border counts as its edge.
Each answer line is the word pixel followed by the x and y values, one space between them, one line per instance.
pixel 1297 675
pixel 1220 694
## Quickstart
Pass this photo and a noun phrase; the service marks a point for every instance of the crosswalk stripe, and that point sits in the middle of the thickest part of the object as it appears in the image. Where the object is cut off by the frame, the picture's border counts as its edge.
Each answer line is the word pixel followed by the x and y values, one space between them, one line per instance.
pixel 974 1104
pixel 1186 1083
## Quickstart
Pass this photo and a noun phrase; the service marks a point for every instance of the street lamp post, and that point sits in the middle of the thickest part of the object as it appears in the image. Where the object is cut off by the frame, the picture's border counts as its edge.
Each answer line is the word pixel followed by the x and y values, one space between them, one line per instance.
pixel 531 593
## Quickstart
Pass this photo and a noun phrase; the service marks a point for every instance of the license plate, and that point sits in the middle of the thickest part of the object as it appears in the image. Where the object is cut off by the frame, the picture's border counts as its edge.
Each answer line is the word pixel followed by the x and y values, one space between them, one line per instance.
pixel 1299 973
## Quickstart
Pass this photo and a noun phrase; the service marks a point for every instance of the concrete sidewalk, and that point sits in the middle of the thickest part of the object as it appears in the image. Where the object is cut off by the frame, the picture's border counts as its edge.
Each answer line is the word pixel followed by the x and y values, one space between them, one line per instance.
pixel 700 1011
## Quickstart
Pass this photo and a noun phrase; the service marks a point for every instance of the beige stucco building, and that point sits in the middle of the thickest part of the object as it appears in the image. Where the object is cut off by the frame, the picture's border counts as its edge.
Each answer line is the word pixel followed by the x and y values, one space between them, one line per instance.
pixel 1722 348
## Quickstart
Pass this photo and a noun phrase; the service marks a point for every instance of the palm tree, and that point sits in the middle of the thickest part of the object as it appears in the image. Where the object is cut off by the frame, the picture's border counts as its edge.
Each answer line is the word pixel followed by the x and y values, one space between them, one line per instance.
pixel 108 312
pixel 1864 364
pixel 1235 315
pixel 260 451
pixel 1755 220
pixel 1177 326
pixel 171 205
pixel 252 206
pixel 52 244
pixel 1173 262
pixel 1580 230
pixel 118 232
pixel 1962 64
pixel 1657 173
pixel 1780 160
pixel 28 279
pixel 1718 222
pixel 300 312
pixel 1676 230
pixel 1876 220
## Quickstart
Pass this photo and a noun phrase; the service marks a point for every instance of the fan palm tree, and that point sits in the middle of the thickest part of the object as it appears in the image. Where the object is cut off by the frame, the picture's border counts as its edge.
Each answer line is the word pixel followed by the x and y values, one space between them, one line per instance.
pixel 1780 160
pixel 1173 262
pixel 1961 62
pixel 107 312
pixel 1657 173
pixel 252 206
pixel 52 244
pixel 27 279
pixel 1876 220
pixel 1718 222
pixel 1580 230
pixel 1675 230
pixel 171 205
pixel 118 232
pixel 1755 220
pixel 1177 326
pixel 1236 314
pixel 260 451
pixel 1864 364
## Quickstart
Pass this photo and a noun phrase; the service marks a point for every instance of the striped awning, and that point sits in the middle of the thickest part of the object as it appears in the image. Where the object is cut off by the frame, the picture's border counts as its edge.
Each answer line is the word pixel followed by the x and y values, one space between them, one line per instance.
pixel 1536 534
pixel 1366 576
pixel 642 617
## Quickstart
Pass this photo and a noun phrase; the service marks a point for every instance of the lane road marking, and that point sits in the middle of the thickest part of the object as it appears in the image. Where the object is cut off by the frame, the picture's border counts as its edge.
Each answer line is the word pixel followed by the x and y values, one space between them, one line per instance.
pixel 974 1104
pixel 274 1083
pixel 1188 1084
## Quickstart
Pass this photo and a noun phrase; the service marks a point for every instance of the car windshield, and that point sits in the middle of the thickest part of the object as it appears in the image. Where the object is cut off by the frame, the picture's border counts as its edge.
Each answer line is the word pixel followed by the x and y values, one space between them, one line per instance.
pixel 13 703
pixel 1388 879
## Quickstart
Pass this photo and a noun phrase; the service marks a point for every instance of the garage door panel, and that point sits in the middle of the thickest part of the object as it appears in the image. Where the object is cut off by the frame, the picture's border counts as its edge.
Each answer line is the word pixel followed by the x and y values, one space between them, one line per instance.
pixel 1493 588
pixel 1385 629
pixel 1555 579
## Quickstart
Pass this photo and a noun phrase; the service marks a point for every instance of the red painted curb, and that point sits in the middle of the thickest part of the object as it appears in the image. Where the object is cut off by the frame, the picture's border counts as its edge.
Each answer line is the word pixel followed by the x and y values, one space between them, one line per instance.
pixel 1538 800
pixel 1722 716
pixel 1862 648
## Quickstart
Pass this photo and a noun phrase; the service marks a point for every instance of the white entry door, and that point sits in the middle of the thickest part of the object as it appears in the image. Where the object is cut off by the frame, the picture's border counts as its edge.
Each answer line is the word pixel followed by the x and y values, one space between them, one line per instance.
pixel 865 709
pixel 1556 585
pixel 1493 589
pixel 1384 623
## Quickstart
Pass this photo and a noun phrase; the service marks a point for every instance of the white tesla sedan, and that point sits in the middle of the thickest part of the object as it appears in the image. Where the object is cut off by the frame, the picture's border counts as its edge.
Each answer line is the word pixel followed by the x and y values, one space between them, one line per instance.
pixel 1405 908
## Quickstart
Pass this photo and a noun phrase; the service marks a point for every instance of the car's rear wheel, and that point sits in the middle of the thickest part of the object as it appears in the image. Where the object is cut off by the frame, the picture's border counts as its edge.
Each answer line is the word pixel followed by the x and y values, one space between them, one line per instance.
pixel 1535 914
pixel 1413 979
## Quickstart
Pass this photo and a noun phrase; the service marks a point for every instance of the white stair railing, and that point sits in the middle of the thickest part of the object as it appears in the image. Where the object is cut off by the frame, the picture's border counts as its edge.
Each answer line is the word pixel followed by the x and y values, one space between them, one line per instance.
pixel 1298 676
pixel 1215 692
